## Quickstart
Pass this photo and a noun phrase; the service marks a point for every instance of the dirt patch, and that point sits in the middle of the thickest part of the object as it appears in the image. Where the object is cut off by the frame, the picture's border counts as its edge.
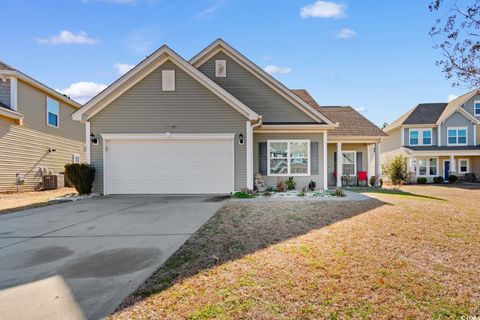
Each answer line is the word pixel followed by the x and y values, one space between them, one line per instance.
pixel 409 255
pixel 11 202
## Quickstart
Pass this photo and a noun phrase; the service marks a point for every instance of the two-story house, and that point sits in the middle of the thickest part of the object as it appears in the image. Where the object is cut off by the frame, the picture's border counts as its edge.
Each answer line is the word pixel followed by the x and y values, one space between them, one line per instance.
pixel 37 134
pixel 438 139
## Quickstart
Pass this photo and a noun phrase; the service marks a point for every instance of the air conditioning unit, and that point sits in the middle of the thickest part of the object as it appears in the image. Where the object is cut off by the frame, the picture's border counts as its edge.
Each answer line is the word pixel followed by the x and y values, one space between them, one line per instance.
pixel 53 181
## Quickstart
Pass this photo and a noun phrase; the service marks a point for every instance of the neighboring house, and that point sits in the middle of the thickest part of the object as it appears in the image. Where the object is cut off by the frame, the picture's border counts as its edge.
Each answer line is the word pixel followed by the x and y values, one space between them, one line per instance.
pixel 438 139
pixel 211 124
pixel 37 134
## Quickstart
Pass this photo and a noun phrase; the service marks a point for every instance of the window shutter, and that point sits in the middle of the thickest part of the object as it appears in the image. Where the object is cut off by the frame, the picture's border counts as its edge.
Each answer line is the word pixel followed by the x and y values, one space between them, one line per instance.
pixel 359 162
pixel 335 162
pixel 220 68
pixel 262 158
pixel 314 158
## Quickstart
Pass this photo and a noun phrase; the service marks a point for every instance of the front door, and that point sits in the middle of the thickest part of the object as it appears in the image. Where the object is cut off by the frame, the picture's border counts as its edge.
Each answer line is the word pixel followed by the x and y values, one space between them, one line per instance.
pixel 446 169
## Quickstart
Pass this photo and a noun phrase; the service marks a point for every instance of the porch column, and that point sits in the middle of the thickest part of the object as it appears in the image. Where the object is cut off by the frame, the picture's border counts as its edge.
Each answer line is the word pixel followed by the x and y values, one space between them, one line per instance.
pixel 87 142
pixel 453 168
pixel 339 165
pixel 249 133
pixel 377 164
pixel 325 160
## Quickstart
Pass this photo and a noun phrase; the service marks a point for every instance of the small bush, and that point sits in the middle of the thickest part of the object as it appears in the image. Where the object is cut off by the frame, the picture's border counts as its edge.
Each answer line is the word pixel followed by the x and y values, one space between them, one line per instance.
pixel 438 179
pixel 290 183
pixel 281 185
pixel 452 178
pixel 421 180
pixel 312 185
pixel 338 193
pixel 267 194
pixel 270 189
pixel 301 194
pixel 396 170
pixel 373 179
pixel 242 195
pixel 81 176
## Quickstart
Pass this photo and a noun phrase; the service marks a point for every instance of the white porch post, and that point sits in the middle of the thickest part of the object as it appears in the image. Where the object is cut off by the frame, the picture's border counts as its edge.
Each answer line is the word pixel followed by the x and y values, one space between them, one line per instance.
pixel 249 133
pixel 453 168
pixel 339 165
pixel 87 143
pixel 377 164
pixel 325 160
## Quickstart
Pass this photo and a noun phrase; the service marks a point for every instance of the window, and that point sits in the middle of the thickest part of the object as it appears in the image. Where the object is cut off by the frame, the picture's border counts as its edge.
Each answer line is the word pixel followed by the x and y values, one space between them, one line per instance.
pixel 432 166
pixel 53 109
pixel 288 157
pixel 220 68
pixel 168 80
pixel 476 108
pixel 427 166
pixel 427 137
pixel 349 163
pixel 463 166
pixel 413 137
pixel 457 135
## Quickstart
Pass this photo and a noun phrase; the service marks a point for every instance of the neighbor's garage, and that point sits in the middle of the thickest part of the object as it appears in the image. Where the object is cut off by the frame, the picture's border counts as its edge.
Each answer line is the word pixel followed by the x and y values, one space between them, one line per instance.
pixel 169 164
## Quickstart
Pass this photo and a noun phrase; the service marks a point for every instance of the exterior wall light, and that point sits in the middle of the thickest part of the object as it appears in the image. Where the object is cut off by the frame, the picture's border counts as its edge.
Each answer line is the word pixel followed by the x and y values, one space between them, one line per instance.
pixel 240 138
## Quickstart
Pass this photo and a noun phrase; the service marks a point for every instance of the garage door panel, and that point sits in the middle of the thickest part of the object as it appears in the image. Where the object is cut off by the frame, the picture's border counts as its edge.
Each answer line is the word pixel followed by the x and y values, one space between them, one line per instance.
pixel 169 166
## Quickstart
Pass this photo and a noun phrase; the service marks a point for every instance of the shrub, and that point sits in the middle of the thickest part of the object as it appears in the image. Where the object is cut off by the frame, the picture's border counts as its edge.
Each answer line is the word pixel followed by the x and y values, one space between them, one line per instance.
pixel 421 180
pixel 396 170
pixel 270 189
pixel 242 195
pixel 373 179
pixel 452 178
pixel 438 179
pixel 301 194
pixel 290 183
pixel 281 185
pixel 338 193
pixel 267 194
pixel 81 176
pixel 312 185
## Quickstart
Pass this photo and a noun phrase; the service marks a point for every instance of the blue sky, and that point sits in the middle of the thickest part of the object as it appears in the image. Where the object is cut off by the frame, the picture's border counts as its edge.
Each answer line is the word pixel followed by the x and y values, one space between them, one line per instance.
pixel 376 56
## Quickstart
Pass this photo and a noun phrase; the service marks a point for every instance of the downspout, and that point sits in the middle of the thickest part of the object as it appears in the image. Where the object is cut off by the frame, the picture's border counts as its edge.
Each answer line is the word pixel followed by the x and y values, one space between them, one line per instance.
pixel 250 127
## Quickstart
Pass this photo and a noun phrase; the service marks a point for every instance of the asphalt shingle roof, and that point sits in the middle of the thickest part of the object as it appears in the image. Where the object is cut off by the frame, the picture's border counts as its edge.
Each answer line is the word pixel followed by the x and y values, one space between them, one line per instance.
pixel 425 113
pixel 351 122
pixel 4 66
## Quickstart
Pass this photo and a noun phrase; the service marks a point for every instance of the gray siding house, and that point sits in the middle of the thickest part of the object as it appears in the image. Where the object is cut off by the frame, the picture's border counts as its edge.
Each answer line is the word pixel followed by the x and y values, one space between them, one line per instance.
pixel 438 139
pixel 37 134
pixel 214 123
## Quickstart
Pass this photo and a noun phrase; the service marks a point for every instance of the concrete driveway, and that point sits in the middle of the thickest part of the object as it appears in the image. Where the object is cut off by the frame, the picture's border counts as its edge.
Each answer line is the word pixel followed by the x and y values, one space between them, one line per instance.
pixel 82 259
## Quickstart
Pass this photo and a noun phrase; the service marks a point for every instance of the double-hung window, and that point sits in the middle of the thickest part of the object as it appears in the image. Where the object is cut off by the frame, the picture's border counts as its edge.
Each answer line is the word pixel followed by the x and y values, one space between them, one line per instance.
pixel 432 166
pixel 288 157
pixel 422 167
pixel 476 108
pixel 53 112
pixel 457 136
pixel 427 137
pixel 349 163
pixel 427 166
pixel 413 137
pixel 463 165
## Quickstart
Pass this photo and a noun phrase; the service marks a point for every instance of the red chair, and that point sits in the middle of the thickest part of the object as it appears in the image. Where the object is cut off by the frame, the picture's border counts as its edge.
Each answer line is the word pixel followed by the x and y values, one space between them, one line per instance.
pixel 362 176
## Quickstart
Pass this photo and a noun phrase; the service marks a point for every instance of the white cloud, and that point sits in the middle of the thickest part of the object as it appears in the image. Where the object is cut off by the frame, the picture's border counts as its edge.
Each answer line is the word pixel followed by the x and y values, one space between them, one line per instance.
pixel 210 10
pixel 273 69
pixel 142 41
pixel 361 109
pixel 452 97
pixel 67 37
pixel 83 91
pixel 323 9
pixel 123 68
pixel 346 33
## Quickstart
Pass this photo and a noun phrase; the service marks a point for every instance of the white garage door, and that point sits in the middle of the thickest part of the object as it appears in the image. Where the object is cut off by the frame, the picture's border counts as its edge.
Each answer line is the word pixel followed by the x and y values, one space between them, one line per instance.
pixel 170 166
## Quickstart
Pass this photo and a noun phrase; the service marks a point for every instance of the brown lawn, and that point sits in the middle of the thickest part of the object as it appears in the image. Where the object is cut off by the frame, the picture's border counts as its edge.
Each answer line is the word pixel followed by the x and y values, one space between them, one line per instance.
pixel 397 256
pixel 11 202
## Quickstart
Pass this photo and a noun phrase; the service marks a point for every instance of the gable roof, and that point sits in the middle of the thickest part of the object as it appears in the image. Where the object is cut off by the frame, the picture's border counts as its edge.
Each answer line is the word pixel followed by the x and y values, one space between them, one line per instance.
pixel 220 45
pixel 425 113
pixel 455 104
pixel 7 70
pixel 145 67
pixel 351 122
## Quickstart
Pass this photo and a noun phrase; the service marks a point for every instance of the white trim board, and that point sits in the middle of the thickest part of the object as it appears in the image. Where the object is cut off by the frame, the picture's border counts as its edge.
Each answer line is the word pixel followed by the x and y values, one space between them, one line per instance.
pixel 144 68
pixel 220 45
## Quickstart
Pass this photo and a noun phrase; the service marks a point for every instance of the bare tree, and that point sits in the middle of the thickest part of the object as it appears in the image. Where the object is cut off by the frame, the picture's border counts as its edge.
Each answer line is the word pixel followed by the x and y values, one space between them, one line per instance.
pixel 457 37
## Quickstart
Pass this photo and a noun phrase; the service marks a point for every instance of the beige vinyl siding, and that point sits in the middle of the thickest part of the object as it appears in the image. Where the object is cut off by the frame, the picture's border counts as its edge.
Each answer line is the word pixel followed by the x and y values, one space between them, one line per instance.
pixel 192 108
pixel 24 148
pixel 253 92
pixel 5 92
pixel 302 181
pixel 332 148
